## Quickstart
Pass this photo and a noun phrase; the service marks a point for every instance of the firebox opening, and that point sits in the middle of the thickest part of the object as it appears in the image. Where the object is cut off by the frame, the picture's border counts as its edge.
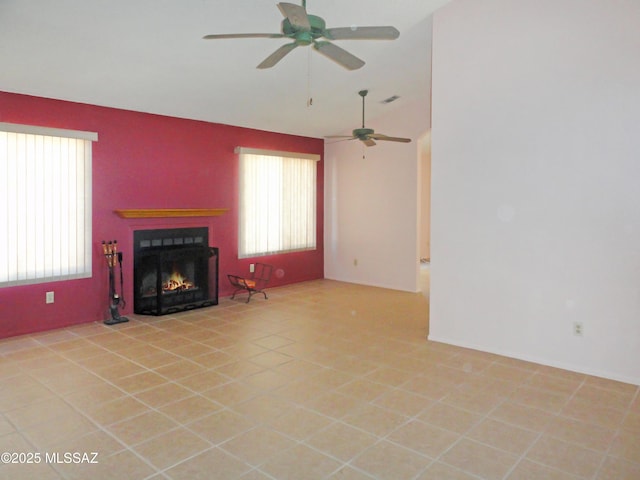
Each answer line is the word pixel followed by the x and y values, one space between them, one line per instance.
pixel 177 281
pixel 174 270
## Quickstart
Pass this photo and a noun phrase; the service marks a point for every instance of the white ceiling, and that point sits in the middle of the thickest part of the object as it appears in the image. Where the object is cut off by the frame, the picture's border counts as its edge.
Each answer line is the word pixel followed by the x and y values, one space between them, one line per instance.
pixel 149 56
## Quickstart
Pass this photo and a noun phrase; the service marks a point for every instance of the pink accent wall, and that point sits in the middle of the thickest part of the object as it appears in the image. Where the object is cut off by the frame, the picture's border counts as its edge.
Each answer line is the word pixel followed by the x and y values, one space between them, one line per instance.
pixel 149 161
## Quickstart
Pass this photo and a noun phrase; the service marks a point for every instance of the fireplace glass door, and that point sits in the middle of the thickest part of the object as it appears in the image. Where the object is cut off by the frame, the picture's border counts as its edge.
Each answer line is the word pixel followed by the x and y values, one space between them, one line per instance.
pixel 174 270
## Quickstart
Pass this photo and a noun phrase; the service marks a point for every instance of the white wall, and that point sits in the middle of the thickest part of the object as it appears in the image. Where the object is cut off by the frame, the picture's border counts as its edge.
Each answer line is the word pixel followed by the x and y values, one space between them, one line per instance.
pixel 371 204
pixel 536 181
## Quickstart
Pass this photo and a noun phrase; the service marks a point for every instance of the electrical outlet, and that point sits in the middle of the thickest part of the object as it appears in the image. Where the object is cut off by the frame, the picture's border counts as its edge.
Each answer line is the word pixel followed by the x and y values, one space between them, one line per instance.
pixel 578 329
pixel 49 297
pixel 252 267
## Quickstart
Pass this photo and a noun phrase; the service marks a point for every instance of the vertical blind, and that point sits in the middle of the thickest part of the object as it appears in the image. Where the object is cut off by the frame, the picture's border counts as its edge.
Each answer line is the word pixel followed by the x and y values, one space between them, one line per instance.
pixel 45 204
pixel 277 202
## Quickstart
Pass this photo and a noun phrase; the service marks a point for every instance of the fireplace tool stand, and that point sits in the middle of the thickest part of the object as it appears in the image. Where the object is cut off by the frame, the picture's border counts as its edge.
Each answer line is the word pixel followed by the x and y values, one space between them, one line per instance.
pixel 116 301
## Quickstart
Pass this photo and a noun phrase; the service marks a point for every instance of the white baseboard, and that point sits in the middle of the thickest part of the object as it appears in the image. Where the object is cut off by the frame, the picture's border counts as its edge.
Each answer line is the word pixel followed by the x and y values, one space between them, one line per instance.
pixel 540 361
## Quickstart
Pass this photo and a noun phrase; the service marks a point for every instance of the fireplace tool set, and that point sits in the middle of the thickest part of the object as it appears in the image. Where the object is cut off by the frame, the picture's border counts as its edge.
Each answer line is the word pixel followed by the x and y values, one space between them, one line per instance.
pixel 116 301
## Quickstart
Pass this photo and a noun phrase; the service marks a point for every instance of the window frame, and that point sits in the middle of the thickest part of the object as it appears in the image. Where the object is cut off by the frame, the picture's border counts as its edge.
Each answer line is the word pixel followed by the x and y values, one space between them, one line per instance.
pixel 310 205
pixel 41 148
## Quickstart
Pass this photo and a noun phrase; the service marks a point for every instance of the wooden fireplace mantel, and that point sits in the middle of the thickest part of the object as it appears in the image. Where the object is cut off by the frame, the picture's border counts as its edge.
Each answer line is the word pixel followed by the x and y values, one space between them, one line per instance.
pixel 169 212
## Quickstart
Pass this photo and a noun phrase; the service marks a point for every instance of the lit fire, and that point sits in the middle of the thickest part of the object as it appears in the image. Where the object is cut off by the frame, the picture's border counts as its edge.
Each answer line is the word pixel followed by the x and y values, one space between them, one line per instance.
pixel 177 282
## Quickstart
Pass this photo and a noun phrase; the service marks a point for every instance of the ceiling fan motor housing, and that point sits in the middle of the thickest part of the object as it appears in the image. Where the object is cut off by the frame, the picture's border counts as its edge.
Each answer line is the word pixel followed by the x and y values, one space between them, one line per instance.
pixel 362 133
pixel 302 36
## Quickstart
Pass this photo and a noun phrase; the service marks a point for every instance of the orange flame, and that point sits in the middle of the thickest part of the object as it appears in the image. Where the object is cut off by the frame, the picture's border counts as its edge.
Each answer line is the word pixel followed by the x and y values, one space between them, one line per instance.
pixel 177 281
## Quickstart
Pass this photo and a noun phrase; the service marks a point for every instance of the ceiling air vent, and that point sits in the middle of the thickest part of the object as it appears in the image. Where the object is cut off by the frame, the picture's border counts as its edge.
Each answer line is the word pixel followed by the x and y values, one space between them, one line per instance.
pixel 390 99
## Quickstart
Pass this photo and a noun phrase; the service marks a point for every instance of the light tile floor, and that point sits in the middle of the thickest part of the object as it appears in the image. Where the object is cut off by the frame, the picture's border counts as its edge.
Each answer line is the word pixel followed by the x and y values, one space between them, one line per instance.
pixel 323 380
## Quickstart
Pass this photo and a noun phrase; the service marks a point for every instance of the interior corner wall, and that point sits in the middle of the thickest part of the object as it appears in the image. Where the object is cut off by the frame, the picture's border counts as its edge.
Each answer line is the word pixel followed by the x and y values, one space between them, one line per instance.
pixel 424 152
pixel 150 161
pixel 535 197
pixel 371 217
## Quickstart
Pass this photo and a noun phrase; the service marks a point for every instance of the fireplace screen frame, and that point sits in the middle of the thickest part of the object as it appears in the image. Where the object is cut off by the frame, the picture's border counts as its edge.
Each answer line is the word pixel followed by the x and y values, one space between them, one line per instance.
pixel 156 253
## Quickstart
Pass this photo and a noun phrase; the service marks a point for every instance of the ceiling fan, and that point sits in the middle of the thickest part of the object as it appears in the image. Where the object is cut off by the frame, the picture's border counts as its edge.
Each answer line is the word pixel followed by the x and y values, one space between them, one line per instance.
pixel 368 135
pixel 305 29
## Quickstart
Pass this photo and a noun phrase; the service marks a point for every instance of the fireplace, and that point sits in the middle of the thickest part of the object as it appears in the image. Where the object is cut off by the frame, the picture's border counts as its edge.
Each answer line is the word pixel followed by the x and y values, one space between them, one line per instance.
pixel 174 270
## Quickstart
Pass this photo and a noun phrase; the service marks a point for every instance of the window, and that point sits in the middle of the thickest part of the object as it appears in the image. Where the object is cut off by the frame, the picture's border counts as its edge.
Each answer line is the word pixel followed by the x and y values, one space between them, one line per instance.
pixel 277 202
pixel 45 204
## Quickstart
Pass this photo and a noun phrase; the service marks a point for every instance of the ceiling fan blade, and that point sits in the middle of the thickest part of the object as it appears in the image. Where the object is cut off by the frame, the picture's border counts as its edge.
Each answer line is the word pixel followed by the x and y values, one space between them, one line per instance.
pixel 339 136
pixel 368 142
pixel 340 140
pixel 242 35
pixel 339 55
pixel 379 136
pixel 296 15
pixel 278 55
pixel 362 33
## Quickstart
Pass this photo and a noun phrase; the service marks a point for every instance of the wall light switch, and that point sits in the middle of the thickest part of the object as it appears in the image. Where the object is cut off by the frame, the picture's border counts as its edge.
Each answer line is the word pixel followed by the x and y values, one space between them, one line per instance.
pixel 49 298
pixel 252 267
